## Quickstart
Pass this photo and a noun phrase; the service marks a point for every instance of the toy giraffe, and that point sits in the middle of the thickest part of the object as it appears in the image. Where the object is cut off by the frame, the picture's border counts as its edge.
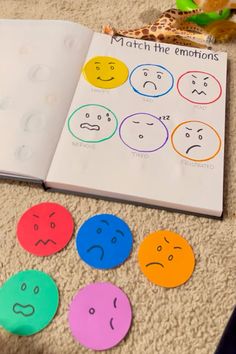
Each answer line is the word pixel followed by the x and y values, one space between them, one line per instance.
pixel 170 27
pixel 215 5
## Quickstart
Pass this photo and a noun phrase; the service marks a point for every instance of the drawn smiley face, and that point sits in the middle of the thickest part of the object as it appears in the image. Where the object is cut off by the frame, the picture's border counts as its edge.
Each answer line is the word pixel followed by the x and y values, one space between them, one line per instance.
pixel 105 72
pixel 199 87
pixel 100 316
pixel 166 259
pixel 104 241
pixel 28 302
pixel 92 123
pixel 143 132
pixel 45 228
pixel 151 80
pixel 196 141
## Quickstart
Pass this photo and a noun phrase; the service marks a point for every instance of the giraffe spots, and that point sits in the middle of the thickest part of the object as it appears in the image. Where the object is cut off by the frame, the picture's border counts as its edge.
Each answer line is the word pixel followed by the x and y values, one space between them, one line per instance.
pixel 137 33
pixel 168 15
pixel 145 31
pixel 161 37
pixel 153 28
pixel 159 27
pixel 168 29
pixel 152 37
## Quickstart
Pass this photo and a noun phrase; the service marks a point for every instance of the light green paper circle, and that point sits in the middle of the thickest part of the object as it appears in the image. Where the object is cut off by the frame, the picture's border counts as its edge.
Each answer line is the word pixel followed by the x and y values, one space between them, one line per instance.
pixel 92 141
pixel 28 302
pixel 204 18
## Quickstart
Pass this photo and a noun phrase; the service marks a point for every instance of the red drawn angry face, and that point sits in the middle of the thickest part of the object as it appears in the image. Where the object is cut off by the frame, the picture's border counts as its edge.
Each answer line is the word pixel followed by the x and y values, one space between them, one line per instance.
pixel 45 228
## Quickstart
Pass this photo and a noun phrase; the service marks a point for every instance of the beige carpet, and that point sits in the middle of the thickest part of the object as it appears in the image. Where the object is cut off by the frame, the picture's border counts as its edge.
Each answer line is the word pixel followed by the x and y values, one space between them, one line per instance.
pixel 185 320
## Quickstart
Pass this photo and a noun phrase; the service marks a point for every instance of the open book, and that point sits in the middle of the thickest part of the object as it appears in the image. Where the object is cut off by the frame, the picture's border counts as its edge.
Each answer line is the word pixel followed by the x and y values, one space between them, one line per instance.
pixel 112 117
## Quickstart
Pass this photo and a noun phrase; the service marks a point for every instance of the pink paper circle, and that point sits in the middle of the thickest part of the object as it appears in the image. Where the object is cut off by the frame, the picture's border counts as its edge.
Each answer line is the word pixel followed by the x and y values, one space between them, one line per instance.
pixel 100 316
pixel 45 229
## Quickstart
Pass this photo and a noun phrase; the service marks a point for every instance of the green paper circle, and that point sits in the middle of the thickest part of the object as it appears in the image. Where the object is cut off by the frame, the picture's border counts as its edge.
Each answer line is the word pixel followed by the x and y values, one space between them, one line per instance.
pixel 28 302
pixel 201 19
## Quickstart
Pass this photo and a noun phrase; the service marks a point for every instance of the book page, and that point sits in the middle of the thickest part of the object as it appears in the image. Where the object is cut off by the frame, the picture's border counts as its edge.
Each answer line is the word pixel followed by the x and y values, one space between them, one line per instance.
pixel 40 65
pixel 155 138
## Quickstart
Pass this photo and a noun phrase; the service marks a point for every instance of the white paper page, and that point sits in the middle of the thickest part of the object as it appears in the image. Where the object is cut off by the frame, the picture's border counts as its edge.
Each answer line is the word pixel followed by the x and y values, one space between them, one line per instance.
pixel 121 167
pixel 40 65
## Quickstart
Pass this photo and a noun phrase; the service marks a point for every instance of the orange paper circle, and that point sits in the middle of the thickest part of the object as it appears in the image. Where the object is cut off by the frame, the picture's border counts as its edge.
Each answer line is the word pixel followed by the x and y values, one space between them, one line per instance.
pixel 166 259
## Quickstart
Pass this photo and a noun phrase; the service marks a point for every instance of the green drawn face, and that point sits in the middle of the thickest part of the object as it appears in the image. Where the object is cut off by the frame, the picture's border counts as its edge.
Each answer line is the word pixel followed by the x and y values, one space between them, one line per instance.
pixel 28 302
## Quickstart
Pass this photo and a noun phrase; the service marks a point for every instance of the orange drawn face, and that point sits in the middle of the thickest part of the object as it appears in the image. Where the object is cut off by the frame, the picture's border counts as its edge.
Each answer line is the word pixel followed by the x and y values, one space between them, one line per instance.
pixel 166 259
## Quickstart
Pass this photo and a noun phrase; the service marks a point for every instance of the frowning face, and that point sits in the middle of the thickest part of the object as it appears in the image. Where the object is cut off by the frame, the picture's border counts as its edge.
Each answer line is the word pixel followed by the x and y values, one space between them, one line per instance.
pixel 105 72
pixel 100 316
pixel 196 141
pixel 166 259
pixel 45 229
pixel 151 80
pixel 92 123
pixel 199 87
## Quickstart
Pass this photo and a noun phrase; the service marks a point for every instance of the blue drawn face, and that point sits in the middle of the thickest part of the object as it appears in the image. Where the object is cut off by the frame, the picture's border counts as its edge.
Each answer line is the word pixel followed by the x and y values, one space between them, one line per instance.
pixel 104 241
pixel 151 80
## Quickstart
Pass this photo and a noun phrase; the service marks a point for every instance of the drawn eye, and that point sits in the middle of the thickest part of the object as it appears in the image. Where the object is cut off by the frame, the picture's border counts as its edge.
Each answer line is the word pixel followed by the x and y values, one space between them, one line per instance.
pixel 87 115
pixel 52 225
pixel 92 311
pixel 194 82
pixel 99 117
pixel 23 287
pixel 170 258
pixel 113 240
pixel 187 135
pixel 36 290
pixel 99 230
pixel 200 137
pixel 159 248
pixel 36 227
pixel 97 68
pixel 109 119
pixel 145 73
pixel 205 84
pixel 112 67
pixel 159 76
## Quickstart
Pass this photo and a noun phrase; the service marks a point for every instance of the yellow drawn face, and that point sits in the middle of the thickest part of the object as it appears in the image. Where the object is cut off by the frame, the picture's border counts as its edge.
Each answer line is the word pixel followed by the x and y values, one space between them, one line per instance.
pixel 166 259
pixel 105 72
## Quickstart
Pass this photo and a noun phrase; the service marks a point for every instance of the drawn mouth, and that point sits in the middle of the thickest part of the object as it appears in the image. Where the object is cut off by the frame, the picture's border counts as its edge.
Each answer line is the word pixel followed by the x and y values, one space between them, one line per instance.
pixel 150 82
pixel 89 126
pixel 192 147
pixel 99 78
pixel 111 324
pixel 26 311
pixel 44 242
pixel 154 263
pixel 199 93
pixel 99 247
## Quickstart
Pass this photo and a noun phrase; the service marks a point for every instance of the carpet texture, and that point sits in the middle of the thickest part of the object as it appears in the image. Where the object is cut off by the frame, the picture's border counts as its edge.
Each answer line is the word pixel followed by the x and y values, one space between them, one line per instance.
pixel 186 320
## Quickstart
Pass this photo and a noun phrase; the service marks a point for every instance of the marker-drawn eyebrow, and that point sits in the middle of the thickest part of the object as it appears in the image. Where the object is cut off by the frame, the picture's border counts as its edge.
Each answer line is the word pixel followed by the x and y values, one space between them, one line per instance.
pixel 166 240
pixel 111 62
pixel 188 128
pixel 149 123
pixel 177 247
pixel 146 69
pixel 135 122
pixel 36 215
pixel 205 78
pixel 52 214
pixel 199 130
pixel 194 76
pixel 105 222
pixel 160 72
pixel 120 232
pixel 114 302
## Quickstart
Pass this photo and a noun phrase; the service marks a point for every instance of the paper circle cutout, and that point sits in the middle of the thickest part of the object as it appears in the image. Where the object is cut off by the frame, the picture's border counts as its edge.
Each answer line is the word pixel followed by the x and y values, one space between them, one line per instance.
pixel 105 72
pixel 28 302
pixel 104 241
pixel 166 259
pixel 100 316
pixel 45 229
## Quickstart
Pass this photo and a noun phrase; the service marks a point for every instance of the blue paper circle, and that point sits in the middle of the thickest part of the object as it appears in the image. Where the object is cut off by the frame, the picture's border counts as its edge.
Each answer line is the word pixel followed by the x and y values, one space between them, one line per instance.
pixel 104 241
